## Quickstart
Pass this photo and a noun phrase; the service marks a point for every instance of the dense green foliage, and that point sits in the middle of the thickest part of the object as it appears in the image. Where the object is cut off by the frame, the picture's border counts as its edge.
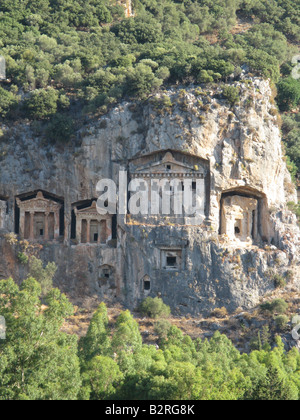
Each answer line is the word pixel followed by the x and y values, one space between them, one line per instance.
pixel 154 308
pixel 291 136
pixel 284 15
pixel 288 94
pixel 89 50
pixel 39 362
pixel 66 58
pixel 44 276
pixel 60 54
pixel 276 306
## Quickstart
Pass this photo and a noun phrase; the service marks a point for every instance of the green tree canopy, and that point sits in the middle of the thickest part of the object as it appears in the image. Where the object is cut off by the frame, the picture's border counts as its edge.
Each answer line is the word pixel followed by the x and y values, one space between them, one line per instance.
pixel 37 361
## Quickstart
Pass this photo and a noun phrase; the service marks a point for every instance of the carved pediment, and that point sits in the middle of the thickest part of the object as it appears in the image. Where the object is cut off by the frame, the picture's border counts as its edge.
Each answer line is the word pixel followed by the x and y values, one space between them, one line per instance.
pixel 89 212
pixel 168 165
pixel 39 204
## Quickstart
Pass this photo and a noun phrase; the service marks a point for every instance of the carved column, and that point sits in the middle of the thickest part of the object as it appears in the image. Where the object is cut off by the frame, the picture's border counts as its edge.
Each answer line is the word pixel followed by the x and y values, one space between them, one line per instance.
pixel 78 229
pixel 88 231
pixel 56 225
pixel 31 231
pixel 109 229
pixel 1 217
pixel 255 228
pixel 250 222
pixel 78 226
pixel 99 232
pixel 103 233
pixel 46 226
pixel 22 224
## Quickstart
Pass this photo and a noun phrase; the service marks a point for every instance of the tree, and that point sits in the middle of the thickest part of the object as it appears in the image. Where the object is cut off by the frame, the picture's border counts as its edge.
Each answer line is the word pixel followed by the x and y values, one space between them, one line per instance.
pixel 67 75
pixel 97 340
pixel 126 336
pixel 154 308
pixel 141 81
pixel 288 94
pixel 265 38
pixel 232 94
pixel 161 328
pixel 42 103
pixel 279 306
pixel 183 381
pixel 291 136
pixel 37 360
pixel 264 63
pixel 272 388
pixel 43 275
pixel 60 128
pixel 8 102
pixel 102 377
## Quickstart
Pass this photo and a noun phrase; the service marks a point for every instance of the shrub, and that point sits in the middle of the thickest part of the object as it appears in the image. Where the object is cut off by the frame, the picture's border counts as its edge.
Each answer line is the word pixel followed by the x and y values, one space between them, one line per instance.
pixel 154 308
pixel 281 321
pixel 232 94
pixel 60 128
pixel 42 103
pixel 219 313
pixel 66 75
pixel 289 276
pixel 279 282
pixel 161 328
pixel 162 102
pixel 8 102
pixel 278 306
pixel 23 258
pixel 295 208
pixel 43 275
pixel 288 94
pixel 141 81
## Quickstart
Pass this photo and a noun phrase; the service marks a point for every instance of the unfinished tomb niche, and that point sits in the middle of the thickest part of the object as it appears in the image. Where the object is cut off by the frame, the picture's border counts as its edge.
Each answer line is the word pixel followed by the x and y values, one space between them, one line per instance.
pixel 40 216
pixel 164 175
pixel 244 215
pixel 146 284
pixel 171 259
pixel 106 277
pixel 92 227
pixel 106 272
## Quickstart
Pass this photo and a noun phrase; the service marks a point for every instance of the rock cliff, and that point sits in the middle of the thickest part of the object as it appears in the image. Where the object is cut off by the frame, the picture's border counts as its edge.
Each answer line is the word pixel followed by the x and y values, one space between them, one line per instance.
pixel 230 258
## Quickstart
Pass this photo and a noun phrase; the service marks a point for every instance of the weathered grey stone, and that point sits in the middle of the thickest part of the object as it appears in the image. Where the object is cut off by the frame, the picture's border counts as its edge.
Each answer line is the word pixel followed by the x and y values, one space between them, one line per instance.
pixel 243 156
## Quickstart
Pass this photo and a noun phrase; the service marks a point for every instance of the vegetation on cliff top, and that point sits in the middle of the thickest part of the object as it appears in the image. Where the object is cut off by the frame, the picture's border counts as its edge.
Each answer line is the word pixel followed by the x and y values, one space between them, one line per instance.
pixel 71 55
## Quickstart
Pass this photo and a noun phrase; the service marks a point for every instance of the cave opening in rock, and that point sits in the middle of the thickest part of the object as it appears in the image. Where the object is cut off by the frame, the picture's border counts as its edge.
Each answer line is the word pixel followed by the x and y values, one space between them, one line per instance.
pixel 147 285
pixel 171 262
pixel 106 272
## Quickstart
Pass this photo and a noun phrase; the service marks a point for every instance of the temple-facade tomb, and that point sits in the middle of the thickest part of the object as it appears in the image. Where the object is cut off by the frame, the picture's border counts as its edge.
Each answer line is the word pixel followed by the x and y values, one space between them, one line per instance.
pixel 239 218
pixel 39 218
pixel 167 178
pixel 92 227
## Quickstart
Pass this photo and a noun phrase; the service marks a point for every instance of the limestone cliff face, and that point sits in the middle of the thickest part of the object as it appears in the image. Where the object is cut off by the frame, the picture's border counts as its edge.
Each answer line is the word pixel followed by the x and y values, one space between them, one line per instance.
pixel 241 148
